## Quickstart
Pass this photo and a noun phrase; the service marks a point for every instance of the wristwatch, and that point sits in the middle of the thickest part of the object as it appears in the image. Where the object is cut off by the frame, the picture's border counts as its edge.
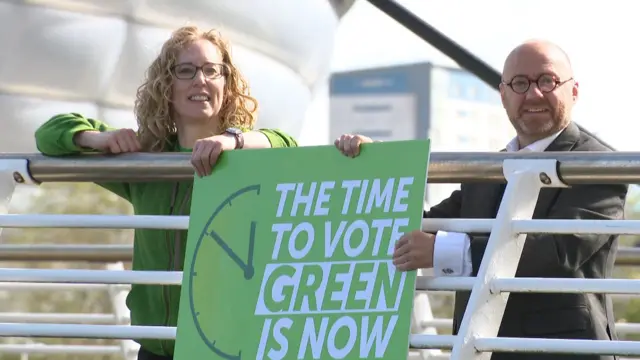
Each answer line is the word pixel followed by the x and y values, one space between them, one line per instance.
pixel 237 133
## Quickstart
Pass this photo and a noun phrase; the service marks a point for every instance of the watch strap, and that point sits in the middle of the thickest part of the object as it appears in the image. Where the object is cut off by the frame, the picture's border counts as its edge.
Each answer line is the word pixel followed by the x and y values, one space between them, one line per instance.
pixel 237 133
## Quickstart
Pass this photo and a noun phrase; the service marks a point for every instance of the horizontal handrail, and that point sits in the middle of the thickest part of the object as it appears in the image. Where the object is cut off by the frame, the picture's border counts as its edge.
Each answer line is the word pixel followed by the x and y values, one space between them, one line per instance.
pixel 81 331
pixel 429 283
pixel 104 319
pixel 31 286
pixel 566 286
pixel 559 346
pixel 531 345
pixel 431 341
pixel 444 167
pixel 60 318
pixel 440 323
pixel 175 222
pixel 537 285
pixel 536 226
pixel 627 256
pixel 92 276
pixel 625 348
pixel 103 253
pixel 91 221
pixel 533 285
pixel 19 349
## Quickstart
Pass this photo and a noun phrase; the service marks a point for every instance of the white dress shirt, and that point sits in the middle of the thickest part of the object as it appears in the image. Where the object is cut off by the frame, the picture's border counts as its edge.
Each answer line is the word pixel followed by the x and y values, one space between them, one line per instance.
pixel 452 253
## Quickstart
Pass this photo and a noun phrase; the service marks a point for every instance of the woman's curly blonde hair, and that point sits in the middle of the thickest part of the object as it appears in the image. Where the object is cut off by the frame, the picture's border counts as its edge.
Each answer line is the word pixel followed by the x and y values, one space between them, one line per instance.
pixel 153 100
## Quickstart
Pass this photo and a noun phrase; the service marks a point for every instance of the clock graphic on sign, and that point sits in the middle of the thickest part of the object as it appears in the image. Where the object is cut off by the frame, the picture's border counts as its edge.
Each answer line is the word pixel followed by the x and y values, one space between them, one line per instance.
pixel 222 264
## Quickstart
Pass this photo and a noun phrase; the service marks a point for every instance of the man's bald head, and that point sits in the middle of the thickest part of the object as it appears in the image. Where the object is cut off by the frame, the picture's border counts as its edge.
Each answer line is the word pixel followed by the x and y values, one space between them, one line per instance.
pixel 537 90
pixel 540 51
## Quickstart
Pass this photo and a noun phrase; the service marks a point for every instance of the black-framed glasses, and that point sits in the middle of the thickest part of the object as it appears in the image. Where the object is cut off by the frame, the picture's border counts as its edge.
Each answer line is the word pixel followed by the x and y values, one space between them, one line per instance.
pixel 546 83
pixel 189 71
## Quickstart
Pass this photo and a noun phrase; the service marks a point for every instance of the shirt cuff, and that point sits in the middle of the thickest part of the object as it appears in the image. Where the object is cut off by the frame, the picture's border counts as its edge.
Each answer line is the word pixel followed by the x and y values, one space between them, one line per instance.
pixel 452 254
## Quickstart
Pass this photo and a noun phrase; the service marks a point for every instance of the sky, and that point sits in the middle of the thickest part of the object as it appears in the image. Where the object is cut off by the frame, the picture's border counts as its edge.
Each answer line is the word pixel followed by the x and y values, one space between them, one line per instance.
pixel 597 38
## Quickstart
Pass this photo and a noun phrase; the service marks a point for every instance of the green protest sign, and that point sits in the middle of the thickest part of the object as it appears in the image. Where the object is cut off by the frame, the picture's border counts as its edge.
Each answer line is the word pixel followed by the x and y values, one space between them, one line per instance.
pixel 289 254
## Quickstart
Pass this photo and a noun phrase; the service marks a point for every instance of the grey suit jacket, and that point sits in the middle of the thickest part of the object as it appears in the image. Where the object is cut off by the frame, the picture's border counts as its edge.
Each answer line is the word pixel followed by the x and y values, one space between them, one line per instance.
pixel 539 315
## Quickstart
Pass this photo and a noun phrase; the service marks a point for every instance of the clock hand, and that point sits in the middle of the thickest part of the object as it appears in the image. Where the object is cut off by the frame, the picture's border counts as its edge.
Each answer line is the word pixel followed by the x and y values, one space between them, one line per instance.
pixel 247 268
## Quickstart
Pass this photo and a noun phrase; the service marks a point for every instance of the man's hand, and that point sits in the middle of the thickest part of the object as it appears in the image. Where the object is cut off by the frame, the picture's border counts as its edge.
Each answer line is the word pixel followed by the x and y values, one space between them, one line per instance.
pixel 349 144
pixel 414 251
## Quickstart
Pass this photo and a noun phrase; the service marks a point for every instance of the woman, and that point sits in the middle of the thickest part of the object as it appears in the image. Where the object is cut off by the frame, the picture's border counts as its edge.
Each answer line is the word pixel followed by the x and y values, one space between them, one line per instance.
pixel 193 100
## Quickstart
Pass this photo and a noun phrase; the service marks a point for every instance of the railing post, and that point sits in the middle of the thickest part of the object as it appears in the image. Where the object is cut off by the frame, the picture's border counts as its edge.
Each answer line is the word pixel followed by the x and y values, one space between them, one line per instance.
pixel 12 173
pixel 483 315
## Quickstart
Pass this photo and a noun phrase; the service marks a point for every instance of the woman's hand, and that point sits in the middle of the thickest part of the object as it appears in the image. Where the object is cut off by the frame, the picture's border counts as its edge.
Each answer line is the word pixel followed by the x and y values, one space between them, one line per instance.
pixel 111 142
pixel 349 144
pixel 207 151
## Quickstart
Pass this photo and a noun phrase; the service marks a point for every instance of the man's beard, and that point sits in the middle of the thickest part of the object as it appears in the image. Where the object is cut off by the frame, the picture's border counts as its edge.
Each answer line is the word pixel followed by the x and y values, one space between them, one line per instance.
pixel 534 128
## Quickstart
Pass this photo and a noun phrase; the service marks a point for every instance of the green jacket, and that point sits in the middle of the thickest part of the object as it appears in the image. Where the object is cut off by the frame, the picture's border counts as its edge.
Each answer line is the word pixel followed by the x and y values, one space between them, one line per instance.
pixel 162 250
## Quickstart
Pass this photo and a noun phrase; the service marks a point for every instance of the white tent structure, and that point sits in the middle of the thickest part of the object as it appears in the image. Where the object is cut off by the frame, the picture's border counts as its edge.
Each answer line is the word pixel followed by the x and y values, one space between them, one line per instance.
pixel 89 56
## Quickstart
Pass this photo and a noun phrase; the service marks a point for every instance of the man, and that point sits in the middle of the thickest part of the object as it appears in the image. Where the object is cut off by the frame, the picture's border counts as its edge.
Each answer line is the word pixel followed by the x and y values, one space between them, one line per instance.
pixel 538 92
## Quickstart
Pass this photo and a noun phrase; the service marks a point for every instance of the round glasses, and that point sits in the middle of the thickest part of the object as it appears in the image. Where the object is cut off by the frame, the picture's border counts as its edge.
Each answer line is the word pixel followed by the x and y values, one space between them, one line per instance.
pixel 189 71
pixel 546 83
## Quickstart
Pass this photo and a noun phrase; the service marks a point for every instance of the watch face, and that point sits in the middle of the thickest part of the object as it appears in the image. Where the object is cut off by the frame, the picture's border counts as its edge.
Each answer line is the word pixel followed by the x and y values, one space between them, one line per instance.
pixel 234 131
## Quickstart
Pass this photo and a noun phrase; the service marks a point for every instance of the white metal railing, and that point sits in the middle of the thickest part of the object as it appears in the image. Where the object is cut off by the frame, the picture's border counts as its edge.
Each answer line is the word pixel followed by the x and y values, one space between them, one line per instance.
pixel 526 176
pixel 446 324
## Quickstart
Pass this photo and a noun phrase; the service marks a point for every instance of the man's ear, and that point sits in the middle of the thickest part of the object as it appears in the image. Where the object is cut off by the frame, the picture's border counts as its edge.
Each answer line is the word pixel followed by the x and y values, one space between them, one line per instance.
pixel 503 94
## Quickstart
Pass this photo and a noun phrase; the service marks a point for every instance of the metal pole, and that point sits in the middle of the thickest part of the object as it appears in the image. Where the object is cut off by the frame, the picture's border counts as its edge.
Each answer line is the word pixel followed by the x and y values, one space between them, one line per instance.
pixel 51 252
pixel 431 35
pixel 627 256
pixel 444 167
